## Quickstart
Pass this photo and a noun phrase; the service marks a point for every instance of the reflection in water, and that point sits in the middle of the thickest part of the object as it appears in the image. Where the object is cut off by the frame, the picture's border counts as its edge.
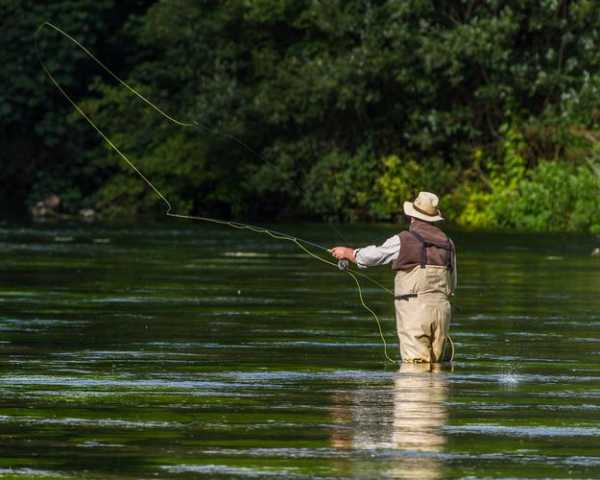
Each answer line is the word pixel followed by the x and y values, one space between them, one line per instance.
pixel 419 417
pixel 408 418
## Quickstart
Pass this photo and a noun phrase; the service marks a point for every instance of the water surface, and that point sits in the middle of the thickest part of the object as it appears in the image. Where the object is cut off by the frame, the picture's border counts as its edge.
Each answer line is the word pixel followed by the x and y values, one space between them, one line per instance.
pixel 188 351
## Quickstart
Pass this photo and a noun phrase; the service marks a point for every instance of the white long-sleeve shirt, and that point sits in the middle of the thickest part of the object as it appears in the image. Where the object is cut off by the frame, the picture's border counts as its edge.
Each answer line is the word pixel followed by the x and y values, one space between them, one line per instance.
pixel 387 252
pixel 374 255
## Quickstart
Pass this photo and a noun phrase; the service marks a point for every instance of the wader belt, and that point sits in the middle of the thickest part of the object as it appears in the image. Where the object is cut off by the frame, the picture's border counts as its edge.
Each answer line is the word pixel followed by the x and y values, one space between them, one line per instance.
pixel 428 243
pixel 405 296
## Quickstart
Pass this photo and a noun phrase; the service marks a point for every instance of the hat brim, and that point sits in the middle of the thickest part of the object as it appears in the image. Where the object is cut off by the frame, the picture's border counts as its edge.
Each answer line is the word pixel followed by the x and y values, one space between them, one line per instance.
pixel 411 211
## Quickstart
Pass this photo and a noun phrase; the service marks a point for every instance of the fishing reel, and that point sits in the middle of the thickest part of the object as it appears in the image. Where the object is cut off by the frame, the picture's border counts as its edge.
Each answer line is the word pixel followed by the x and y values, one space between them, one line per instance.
pixel 343 264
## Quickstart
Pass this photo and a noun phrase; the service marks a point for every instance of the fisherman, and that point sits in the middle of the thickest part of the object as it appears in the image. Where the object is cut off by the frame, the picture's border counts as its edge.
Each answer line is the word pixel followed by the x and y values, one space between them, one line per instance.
pixel 424 259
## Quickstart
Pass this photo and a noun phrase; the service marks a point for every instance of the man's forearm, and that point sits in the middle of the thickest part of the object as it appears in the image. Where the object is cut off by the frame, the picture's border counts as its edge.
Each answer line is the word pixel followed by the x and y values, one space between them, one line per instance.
pixel 342 253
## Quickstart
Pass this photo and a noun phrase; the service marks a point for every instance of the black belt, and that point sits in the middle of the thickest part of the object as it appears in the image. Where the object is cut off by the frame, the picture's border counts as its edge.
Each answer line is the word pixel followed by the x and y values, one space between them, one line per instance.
pixel 405 297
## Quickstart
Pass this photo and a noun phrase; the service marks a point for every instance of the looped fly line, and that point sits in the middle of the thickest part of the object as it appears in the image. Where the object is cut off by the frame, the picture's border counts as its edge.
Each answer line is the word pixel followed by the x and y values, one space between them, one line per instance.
pixel 299 242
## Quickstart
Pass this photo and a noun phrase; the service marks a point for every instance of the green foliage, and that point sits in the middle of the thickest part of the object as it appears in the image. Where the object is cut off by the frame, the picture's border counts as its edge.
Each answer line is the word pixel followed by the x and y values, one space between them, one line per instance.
pixel 362 186
pixel 173 159
pixel 40 154
pixel 337 109
pixel 552 197
pixel 558 197
pixel 342 185
pixel 487 202
pixel 402 180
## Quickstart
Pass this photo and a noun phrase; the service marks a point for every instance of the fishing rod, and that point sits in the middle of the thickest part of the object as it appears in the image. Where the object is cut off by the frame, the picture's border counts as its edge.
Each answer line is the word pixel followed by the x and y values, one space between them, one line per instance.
pixel 300 242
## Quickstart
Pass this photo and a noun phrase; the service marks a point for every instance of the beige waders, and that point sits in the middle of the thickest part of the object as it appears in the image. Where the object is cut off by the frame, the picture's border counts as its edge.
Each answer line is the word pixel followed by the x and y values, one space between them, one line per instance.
pixel 423 312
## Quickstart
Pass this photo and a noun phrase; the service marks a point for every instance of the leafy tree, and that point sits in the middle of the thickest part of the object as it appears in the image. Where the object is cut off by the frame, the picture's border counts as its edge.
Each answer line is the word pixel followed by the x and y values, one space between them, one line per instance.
pixel 40 153
pixel 318 109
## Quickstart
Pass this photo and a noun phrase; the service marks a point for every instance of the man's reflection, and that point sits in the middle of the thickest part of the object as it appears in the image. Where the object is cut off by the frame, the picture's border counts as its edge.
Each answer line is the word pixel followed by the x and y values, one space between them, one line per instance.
pixel 420 414
pixel 408 419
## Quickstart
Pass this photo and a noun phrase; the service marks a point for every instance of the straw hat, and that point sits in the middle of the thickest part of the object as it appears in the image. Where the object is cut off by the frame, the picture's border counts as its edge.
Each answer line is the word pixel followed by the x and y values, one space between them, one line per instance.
pixel 425 207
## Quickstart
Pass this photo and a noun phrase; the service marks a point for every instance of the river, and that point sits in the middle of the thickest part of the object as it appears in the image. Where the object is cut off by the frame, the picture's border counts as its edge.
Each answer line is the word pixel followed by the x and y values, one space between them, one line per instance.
pixel 180 350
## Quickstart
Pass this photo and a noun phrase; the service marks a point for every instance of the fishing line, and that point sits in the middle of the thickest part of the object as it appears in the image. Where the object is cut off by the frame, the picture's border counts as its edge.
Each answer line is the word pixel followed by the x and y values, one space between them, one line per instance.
pixel 299 242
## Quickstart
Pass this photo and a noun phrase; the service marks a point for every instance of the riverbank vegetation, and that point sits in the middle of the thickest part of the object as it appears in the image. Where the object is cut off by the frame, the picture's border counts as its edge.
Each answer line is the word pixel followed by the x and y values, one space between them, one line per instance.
pixel 312 109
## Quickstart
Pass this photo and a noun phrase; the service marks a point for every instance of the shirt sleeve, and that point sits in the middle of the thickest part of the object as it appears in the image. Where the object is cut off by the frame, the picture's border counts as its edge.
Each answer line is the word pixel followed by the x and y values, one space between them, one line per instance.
pixel 374 255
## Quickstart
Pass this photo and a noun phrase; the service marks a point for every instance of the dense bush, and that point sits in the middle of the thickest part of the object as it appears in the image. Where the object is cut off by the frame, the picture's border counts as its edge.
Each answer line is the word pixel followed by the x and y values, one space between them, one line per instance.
pixel 40 154
pixel 337 109
pixel 342 184
pixel 552 196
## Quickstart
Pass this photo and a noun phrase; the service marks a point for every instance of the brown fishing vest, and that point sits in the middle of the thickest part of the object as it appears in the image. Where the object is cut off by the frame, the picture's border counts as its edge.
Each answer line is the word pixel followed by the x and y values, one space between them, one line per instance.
pixel 424 244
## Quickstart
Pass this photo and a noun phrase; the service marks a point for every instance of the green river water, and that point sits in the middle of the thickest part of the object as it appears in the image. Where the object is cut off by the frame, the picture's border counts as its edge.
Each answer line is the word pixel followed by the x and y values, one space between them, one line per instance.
pixel 184 351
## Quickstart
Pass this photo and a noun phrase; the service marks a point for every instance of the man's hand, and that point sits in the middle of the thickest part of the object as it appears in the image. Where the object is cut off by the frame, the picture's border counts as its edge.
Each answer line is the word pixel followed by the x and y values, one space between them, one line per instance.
pixel 343 253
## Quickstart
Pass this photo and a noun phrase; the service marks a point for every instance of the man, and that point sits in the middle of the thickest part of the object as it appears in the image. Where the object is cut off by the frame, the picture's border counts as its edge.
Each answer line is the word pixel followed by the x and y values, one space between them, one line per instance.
pixel 424 259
